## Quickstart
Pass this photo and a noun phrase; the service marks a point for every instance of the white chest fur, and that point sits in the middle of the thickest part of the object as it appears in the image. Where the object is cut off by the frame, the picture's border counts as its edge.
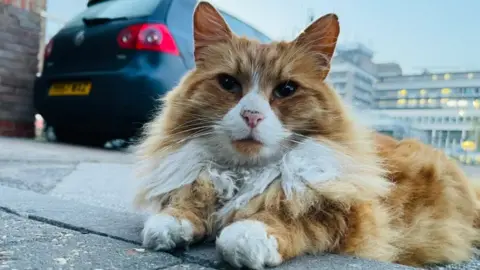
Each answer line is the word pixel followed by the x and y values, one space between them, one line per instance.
pixel 308 163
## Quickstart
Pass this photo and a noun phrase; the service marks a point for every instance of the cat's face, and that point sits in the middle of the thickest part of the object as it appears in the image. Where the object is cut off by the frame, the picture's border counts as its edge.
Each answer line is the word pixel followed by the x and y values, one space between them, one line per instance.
pixel 253 101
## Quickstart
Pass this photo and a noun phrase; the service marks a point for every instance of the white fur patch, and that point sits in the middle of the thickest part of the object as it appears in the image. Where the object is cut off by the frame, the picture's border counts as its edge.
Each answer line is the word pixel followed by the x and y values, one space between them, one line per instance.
pixel 246 243
pixel 266 132
pixel 164 232
pixel 308 164
pixel 176 169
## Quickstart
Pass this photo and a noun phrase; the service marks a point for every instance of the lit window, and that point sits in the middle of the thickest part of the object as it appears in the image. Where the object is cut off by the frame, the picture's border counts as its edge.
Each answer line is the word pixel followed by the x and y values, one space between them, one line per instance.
pixel 451 103
pixel 431 101
pixel 470 76
pixel 446 91
pixel 412 102
pixel 444 100
pixel 401 101
pixel 422 101
pixel 476 103
pixel 423 92
pixel 462 103
pixel 434 77
pixel 446 76
pixel 402 92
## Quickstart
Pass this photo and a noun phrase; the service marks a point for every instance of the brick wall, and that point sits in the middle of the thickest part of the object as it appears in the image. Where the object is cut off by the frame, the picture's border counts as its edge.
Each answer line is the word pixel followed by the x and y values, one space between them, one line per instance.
pixel 20 30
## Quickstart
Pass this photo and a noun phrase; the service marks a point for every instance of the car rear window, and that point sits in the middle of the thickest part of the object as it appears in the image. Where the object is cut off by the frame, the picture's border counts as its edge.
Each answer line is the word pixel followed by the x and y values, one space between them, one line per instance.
pixel 115 9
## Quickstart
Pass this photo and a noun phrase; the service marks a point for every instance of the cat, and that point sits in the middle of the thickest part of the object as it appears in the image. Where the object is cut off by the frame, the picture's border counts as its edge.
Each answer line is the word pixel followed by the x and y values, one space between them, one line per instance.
pixel 254 150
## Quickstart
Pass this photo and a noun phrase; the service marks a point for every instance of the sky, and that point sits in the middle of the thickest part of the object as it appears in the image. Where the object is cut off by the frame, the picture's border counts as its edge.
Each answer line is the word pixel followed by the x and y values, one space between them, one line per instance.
pixel 438 35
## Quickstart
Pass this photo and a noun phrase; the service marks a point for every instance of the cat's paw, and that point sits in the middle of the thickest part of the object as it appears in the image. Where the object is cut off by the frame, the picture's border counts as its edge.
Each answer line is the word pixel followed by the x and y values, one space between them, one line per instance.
pixel 246 243
pixel 165 232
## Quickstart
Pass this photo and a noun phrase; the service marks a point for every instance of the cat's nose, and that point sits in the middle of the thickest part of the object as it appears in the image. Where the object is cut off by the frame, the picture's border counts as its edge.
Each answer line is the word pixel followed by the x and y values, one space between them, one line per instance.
pixel 252 118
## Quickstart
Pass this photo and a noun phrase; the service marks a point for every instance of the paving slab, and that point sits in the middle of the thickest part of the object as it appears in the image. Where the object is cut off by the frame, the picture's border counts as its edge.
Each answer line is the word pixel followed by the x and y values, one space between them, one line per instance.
pixel 27 244
pixel 24 150
pixel 126 227
pixel 106 185
pixel 38 177
pixel 89 193
pixel 188 267
pixel 71 214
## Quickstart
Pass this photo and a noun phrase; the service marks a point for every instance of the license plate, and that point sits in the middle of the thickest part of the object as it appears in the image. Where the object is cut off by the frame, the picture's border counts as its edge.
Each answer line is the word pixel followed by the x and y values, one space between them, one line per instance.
pixel 70 89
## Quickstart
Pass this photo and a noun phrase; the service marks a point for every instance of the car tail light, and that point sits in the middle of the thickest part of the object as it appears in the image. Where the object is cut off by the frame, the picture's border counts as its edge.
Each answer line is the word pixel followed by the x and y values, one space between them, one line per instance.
pixel 48 49
pixel 152 37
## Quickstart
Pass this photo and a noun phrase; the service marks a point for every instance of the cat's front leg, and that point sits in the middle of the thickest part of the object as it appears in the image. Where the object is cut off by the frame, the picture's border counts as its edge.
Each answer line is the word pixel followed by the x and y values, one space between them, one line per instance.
pixel 183 220
pixel 249 243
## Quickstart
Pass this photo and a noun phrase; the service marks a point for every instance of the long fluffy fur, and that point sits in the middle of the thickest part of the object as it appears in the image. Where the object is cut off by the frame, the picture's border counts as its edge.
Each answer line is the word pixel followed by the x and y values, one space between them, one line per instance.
pixel 361 193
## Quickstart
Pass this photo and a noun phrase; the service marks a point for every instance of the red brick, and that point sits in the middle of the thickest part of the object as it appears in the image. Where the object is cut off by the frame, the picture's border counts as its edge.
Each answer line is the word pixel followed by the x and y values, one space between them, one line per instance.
pixel 17 129
pixel 7 125
pixel 6 89
pixel 20 30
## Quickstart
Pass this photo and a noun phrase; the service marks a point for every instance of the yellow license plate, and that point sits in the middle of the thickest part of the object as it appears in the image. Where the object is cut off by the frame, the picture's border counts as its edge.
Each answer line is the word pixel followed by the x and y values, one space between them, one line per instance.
pixel 70 89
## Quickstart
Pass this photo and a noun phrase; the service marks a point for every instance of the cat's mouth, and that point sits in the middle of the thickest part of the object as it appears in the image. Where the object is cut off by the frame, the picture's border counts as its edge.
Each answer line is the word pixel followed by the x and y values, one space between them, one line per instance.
pixel 248 145
pixel 247 140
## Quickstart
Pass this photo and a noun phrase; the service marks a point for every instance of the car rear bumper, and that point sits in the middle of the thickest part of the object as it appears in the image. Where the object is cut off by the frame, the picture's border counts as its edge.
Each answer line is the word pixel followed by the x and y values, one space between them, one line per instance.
pixel 118 104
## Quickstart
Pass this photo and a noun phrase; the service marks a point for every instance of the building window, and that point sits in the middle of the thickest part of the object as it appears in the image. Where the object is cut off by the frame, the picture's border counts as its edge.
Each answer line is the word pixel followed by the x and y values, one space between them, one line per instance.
pixel 446 76
pixel 476 103
pixel 402 93
pixel 422 101
pixel 446 91
pixel 462 103
pixel 434 77
pixel 444 100
pixel 432 102
pixel 470 76
pixel 401 102
pixel 412 102
pixel 423 92
pixel 452 103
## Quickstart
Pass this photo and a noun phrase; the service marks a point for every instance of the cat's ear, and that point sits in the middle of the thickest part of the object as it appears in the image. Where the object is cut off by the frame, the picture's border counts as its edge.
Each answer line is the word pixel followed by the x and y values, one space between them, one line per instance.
pixel 209 27
pixel 321 38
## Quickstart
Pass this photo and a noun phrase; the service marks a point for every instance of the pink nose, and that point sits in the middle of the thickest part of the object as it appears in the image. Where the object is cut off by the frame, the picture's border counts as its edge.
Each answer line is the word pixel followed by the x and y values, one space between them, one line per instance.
pixel 252 118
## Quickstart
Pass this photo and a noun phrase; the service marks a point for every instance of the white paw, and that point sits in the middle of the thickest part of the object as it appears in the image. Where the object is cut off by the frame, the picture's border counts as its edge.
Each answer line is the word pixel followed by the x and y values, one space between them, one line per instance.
pixel 246 243
pixel 164 232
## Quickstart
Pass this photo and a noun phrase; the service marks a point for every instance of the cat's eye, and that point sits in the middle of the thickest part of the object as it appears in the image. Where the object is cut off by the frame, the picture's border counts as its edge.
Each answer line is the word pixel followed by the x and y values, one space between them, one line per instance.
pixel 285 89
pixel 229 83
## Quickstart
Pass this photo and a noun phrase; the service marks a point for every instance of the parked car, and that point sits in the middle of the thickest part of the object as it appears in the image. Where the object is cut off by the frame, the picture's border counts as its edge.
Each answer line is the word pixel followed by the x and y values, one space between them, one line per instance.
pixel 104 71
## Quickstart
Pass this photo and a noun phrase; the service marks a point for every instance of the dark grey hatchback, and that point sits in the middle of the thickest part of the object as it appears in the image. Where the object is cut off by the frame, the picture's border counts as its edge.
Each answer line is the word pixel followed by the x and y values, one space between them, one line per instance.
pixel 105 69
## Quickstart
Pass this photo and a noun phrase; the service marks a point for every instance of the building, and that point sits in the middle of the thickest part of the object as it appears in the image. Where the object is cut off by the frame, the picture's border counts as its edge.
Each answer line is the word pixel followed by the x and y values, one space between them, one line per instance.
pixel 441 109
pixel 353 75
pixel 444 106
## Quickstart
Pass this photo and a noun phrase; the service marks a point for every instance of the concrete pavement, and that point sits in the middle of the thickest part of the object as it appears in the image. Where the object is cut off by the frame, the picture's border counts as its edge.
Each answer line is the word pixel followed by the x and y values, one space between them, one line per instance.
pixel 67 207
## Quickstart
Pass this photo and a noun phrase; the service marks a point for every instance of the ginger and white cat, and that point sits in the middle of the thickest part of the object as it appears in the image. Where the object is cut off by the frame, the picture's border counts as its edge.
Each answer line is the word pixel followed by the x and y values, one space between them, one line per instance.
pixel 254 149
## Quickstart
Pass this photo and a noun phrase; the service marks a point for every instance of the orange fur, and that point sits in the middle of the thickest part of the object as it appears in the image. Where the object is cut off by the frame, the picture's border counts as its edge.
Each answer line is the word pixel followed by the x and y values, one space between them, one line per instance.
pixel 406 203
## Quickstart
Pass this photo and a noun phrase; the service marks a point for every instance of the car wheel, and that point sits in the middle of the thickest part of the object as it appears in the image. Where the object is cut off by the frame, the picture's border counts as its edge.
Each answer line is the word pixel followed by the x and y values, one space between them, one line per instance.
pixel 65 135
